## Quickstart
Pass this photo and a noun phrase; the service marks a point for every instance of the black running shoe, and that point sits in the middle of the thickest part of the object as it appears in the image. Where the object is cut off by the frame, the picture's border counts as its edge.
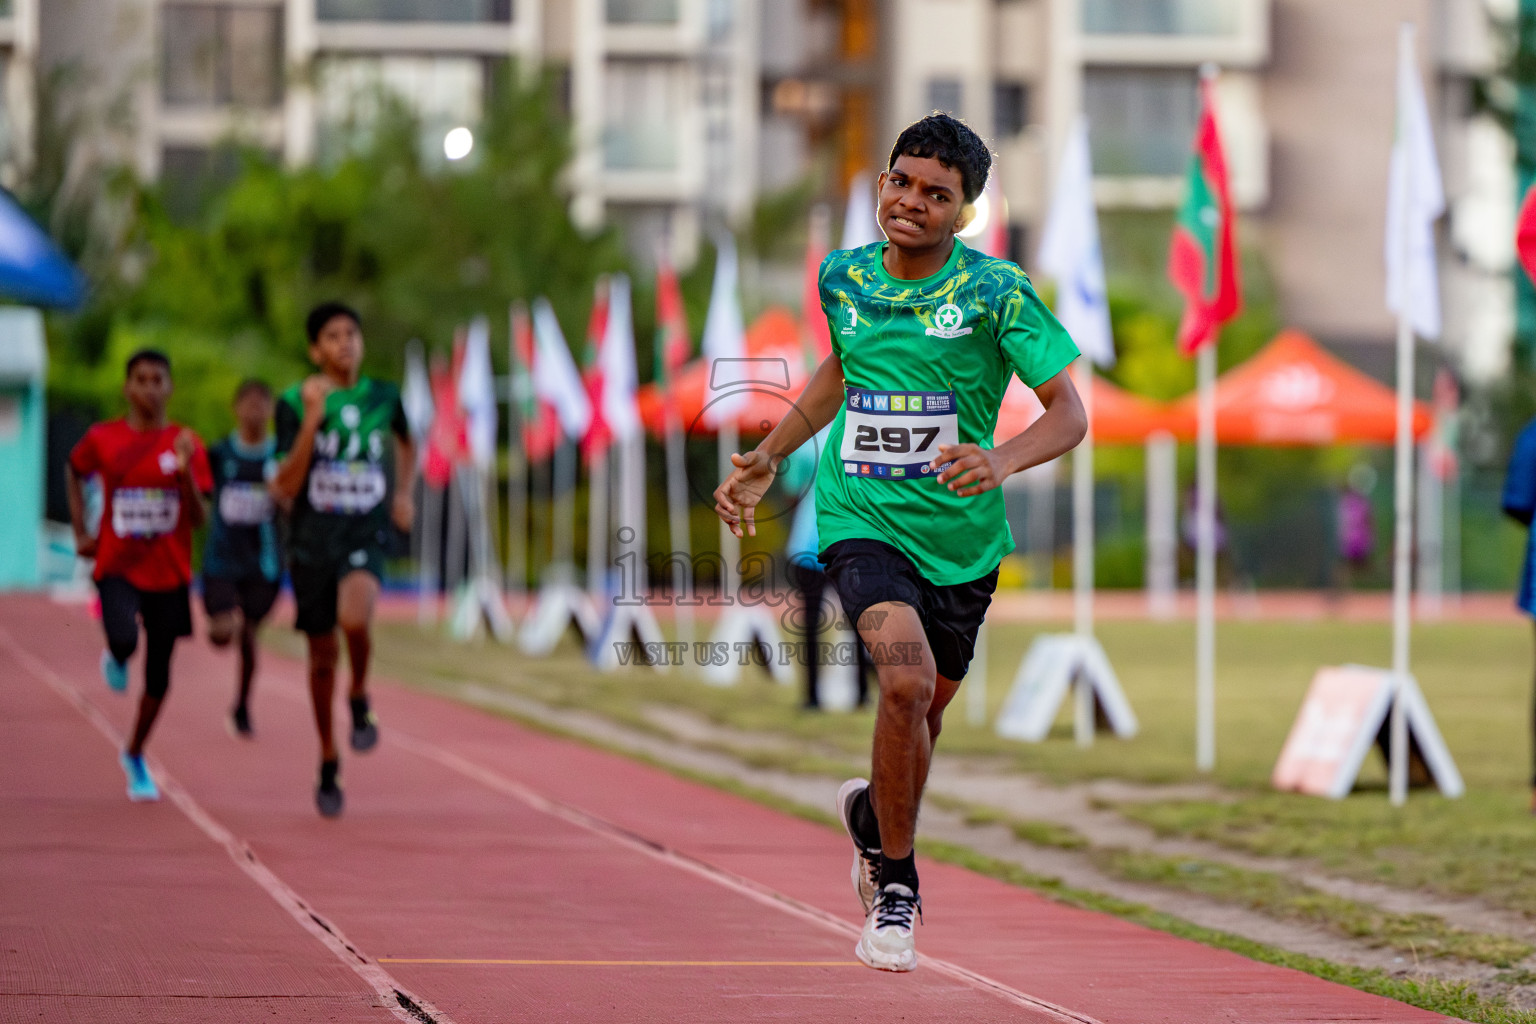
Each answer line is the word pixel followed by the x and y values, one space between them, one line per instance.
pixel 240 723
pixel 365 728
pixel 328 798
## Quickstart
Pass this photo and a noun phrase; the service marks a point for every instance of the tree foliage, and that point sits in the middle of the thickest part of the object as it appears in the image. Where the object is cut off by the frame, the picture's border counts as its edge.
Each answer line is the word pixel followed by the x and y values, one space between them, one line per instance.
pixel 418 245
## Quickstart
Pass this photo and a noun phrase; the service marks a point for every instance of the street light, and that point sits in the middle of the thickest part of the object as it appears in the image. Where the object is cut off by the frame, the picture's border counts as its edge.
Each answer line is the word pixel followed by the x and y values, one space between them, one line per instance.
pixel 458 142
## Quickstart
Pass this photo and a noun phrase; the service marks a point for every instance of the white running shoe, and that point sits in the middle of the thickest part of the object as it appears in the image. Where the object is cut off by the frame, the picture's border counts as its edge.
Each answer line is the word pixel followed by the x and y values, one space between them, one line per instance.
pixel 887 943
pixel 866 863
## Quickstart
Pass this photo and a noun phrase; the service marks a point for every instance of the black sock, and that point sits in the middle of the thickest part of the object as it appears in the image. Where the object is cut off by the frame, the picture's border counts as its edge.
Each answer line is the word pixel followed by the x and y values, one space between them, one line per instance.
pixel 903 871
pixel 328 772
pixel 359 707
pixel 866 828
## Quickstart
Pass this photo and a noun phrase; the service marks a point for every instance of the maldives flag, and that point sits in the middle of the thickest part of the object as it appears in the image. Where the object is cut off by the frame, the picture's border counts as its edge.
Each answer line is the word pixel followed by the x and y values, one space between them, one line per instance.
pixel 1202 261
pixel 672 345
pixel 599 434
pixel 814 328
pixel 448 436
pixel 1525 233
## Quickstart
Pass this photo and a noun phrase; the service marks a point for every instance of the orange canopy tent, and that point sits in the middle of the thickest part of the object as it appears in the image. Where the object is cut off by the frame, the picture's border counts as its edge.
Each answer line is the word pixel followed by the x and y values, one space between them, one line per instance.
pixel 1293 393
pixel 1119 417
pixel 769 389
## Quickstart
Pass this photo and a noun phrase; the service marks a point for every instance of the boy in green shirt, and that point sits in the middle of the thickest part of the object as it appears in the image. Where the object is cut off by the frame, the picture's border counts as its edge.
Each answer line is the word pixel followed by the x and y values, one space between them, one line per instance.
pixel 347 460
pixel 926 335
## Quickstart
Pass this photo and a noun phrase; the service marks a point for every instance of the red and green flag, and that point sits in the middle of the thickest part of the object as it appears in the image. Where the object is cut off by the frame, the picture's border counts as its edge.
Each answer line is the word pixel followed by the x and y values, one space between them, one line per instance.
pixel 599 433
pixel 672 345
pixel 1202 261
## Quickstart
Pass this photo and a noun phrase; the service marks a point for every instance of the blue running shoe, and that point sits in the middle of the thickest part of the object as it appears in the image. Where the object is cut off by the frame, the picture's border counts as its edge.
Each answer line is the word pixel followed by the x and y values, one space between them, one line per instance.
pixel 114 672
pixel 141 784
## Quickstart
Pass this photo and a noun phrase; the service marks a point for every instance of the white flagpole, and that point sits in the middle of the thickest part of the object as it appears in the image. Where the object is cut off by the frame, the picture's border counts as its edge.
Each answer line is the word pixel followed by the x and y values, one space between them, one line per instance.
pixel 1402 541
pixel 429 568
pixel 678 534
pixel 562 527
pixel 517 461
pixel 730 545
pixel 1082 550
pixel 1205 563
pixel 597 526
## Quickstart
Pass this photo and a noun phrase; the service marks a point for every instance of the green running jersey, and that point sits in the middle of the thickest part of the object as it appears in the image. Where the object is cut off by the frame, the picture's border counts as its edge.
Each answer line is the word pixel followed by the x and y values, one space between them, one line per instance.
pixel 925 363
pixel 343 505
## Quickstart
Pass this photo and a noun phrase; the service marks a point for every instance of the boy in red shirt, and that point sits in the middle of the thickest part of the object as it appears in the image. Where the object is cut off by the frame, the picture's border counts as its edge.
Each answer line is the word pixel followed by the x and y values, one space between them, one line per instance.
pixel 154 478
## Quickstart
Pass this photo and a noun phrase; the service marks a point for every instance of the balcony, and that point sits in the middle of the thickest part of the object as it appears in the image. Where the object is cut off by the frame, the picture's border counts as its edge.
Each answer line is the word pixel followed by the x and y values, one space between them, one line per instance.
pixel 1233 33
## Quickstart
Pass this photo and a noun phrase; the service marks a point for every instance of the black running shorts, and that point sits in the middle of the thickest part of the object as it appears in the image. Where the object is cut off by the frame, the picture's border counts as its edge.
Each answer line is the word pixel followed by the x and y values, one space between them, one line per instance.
pixel 315 587
pixel 254 596
pixel 165 613
pixel 869 572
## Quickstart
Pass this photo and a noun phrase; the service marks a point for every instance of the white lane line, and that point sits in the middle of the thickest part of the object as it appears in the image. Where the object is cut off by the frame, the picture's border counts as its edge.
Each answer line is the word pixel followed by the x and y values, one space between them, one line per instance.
pixel 400 1001
pixel 726 879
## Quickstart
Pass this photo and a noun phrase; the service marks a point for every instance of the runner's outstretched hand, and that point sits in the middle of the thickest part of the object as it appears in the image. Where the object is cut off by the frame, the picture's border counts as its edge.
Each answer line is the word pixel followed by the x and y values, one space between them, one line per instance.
pixel 736 499
pixel 972 469
pixel 185 445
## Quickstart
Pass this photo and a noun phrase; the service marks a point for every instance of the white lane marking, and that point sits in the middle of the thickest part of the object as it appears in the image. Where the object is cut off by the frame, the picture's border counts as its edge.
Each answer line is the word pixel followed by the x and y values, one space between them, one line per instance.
pixel 401 1002
pixel 726 879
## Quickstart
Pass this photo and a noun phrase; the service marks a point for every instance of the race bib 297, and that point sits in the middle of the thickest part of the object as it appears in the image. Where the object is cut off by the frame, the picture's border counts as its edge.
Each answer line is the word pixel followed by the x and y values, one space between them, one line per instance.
pixel 346 488
pixel 894 435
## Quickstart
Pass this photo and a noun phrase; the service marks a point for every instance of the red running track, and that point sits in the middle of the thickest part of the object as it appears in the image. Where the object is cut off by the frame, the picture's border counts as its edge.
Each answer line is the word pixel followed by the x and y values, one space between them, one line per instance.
pixel 484 872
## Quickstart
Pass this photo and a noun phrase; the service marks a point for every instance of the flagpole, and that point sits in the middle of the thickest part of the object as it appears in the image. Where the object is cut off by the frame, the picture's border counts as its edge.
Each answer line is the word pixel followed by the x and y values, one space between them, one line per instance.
pixel 517 459
pixel 678 534
pixel 1205 562
pixel 1397 750
pixel 1082 549
pixel 597 524
pixel 562 527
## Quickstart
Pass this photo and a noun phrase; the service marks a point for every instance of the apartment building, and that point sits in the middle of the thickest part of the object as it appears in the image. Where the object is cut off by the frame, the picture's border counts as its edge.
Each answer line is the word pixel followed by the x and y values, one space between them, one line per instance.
pixel 1306 104
pixel 18 93
pixel 664 93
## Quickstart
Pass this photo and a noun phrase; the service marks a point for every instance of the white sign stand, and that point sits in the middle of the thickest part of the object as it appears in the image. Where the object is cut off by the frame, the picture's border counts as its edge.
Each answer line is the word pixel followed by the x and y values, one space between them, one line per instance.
pixel 1054 662
pixel 627 623
pixel 559 603
pixel 1344 714
pixel 744 624
pixel 480 600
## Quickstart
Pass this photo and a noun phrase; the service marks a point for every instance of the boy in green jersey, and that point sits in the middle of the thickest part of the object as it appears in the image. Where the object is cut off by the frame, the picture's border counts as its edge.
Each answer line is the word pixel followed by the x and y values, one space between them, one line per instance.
pixel 346 467
pixel 926 335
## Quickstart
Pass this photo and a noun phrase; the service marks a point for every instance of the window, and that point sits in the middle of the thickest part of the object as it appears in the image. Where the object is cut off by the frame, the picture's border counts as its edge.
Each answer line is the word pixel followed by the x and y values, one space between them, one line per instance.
pixel 442 92
pixel 944 94
pixel 191 175
pixel 1160 17
pixel 1140 120
pixel 1010 108
pixel 643 12
pixel 643 101
pixel 414 10
pixel 220 55
pixel 5 9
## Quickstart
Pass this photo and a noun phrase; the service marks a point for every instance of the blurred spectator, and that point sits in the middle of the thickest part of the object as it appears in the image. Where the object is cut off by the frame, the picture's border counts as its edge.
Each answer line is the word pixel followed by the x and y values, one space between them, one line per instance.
pixel 808 576
pixel 1520 504
pixel 1355 527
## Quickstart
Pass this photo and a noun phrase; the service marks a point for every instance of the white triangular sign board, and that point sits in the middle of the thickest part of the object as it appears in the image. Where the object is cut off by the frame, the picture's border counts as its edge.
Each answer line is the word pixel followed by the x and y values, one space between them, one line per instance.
pixel 558 604
pixel 745 624
pixel 1054 662
pixel 629 624
pixel 1345 711
pixel 480 602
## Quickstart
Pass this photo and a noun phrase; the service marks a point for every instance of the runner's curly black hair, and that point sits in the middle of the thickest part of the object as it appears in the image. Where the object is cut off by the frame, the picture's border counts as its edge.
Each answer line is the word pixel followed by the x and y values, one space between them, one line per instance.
pixel 952 143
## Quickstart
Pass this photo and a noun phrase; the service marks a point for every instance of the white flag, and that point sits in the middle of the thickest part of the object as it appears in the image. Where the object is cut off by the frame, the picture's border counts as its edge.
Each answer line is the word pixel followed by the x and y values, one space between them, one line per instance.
pixel 725 336
pixel 617 359
pixel 860 223
pixel 1415 200
pixel 1070 254
pixel 556 381
pixel 477 394
pixel 416 395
